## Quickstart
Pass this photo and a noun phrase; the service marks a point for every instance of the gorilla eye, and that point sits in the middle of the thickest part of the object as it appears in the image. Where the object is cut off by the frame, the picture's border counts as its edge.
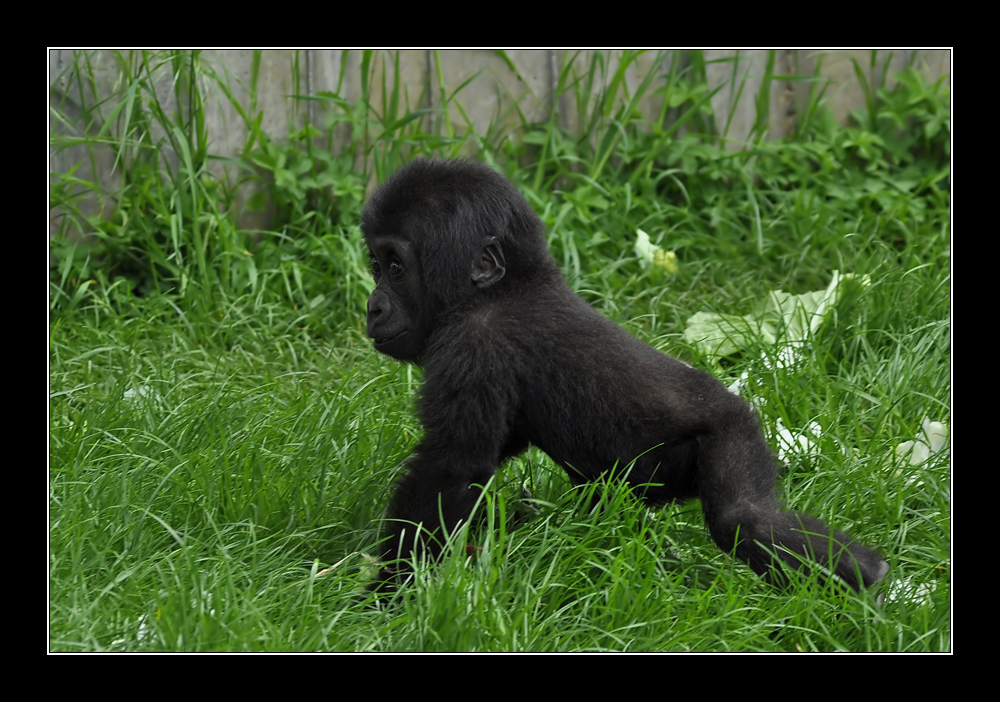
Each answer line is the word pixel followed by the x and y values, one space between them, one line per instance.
pixel 396 270
pixel 376 268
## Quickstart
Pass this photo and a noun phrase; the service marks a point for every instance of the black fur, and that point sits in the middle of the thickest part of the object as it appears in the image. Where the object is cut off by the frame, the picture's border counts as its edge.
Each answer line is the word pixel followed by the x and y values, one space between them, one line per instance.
pixel 466 288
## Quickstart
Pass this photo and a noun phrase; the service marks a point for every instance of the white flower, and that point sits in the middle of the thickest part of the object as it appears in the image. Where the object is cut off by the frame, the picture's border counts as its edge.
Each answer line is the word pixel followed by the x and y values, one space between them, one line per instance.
pixel 791 444
pixel 934 440
pixel 651 254
pixel 909 591
pixel 142 392
pixel 740 384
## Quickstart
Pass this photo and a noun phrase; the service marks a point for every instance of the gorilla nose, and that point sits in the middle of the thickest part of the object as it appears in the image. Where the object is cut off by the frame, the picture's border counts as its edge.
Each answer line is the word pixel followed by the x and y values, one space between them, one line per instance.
pixel 377 304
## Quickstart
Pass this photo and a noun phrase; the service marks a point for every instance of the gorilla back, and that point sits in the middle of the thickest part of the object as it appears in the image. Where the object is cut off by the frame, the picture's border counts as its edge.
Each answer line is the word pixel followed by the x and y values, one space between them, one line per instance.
pixel 466 288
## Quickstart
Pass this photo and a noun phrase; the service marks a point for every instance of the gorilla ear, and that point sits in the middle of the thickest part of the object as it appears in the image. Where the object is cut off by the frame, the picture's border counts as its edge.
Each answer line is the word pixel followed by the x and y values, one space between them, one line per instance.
pixel 490 266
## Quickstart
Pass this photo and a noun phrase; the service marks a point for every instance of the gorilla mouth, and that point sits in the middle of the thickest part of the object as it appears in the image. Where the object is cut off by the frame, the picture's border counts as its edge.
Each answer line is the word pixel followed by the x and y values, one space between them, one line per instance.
pixel 383 342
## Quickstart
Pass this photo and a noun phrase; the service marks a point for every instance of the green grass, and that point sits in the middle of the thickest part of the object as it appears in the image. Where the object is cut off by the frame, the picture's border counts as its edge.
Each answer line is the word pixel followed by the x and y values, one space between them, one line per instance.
pixel 223 439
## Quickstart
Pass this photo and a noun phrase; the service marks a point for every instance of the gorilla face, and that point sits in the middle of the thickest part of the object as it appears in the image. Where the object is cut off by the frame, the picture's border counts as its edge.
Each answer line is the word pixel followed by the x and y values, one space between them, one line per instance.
pixel 398 319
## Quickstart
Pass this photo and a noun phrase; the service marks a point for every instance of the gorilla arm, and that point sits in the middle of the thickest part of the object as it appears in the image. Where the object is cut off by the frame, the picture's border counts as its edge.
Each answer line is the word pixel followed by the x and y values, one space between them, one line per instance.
pixel 467 412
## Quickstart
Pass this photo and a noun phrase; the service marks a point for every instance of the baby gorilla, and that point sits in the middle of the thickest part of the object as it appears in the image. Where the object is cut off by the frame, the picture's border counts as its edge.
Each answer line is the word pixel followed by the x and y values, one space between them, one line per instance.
pixel 466 288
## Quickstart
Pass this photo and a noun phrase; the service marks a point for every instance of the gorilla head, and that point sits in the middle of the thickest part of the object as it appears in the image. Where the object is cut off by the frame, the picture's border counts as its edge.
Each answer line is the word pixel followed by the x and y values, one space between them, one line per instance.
pixel 438 234
pixel 466 288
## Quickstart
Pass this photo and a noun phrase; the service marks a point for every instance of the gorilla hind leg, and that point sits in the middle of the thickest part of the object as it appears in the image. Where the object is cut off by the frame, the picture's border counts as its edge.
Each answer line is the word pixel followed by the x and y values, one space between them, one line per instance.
pixel 770 542
pixel 736 485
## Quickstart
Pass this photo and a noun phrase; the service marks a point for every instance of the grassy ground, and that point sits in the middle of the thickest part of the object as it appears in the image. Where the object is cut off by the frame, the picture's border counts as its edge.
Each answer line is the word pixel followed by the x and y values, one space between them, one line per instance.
pixel 223 438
